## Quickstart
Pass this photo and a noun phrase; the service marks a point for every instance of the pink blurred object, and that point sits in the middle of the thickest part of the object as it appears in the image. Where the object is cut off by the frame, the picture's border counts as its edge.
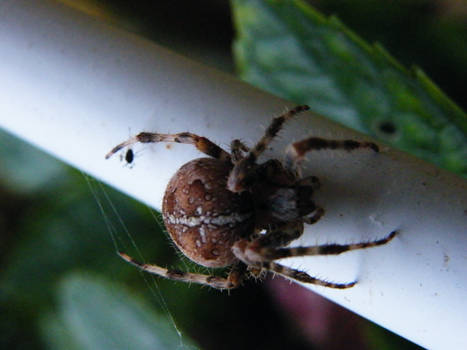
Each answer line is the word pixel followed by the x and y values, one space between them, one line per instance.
pixel 324 323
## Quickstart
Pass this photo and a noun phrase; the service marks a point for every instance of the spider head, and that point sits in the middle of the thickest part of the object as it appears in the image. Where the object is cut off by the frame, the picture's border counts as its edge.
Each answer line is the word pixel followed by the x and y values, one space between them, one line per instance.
pixel 242 176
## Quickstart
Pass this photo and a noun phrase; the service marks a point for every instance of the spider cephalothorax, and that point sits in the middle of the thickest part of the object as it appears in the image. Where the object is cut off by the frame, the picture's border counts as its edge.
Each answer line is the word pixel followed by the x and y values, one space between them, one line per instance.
pixel 228 210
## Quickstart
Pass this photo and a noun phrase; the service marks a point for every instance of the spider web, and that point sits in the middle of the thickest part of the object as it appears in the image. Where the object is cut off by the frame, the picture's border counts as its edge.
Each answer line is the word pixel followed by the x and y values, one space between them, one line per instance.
pixel 122 237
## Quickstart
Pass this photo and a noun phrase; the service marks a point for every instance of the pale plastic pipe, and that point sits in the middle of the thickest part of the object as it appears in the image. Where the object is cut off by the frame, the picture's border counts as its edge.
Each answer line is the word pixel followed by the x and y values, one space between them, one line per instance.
pixel 75 88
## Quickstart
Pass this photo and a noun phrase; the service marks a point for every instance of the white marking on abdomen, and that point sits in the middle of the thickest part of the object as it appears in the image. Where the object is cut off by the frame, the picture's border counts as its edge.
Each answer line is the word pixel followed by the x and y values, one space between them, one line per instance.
pixel 221 220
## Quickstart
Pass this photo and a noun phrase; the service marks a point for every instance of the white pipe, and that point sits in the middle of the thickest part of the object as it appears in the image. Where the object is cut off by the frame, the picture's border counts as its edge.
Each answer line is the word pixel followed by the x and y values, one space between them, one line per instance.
pixel 76 87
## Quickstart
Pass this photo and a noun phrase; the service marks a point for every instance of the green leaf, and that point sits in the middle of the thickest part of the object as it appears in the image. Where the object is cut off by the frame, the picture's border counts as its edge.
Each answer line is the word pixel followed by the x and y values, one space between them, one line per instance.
pixel 96 314
pixel 291 50
pixel 65 231
pixel 25 169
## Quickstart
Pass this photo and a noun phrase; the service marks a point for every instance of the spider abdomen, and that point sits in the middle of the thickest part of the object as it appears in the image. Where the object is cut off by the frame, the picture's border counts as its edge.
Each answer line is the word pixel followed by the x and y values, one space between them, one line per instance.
pixel 203 218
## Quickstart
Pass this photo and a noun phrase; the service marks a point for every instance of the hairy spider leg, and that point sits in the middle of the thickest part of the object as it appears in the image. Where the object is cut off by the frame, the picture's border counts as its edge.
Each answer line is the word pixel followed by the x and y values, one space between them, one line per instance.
pixel 272 130
pixel 297 150
pixel 252 254
pixel 243 173
pixel 272 253
pixel 233 280
pixel 201 143
pixel 302 276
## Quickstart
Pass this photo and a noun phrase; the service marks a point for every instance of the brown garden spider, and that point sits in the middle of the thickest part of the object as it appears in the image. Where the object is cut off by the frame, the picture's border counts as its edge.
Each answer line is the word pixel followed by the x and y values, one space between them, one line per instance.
pixel 228 210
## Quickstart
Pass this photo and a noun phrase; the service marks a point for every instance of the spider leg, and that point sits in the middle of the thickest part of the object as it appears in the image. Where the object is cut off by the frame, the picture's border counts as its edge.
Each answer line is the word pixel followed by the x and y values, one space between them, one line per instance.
pixel 233 280
pixel 273 129
pixel 271 253
pixel 296 151
pixel 201 143
pixel 244 171
pixel 256 266
pixel 263 258
pixel 303 276
pixel 237 148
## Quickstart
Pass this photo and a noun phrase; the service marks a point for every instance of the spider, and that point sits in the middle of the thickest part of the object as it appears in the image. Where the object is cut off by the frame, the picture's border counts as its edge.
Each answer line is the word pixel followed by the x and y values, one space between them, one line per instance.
pixel 228 210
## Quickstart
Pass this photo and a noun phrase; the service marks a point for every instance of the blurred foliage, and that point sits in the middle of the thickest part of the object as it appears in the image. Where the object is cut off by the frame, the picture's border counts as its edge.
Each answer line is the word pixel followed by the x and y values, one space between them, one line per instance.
pixel 290 49
pixel 58 261
pixel 58 231
pixel 95 314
